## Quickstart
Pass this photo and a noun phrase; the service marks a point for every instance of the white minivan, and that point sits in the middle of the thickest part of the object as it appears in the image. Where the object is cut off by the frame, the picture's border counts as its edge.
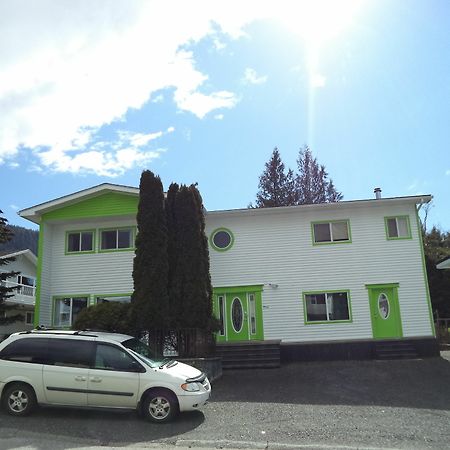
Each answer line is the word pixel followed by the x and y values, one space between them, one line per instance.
pixel 95 369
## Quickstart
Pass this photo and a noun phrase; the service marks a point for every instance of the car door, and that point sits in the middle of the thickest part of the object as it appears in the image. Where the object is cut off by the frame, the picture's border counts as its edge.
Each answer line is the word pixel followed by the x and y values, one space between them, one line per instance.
pixel 114 378
pixel 65 376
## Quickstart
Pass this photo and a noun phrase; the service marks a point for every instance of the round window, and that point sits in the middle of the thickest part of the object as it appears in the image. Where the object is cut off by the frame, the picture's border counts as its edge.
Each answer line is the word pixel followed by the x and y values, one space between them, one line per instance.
pixel 237 314
pixel 221 239
pixel 383 306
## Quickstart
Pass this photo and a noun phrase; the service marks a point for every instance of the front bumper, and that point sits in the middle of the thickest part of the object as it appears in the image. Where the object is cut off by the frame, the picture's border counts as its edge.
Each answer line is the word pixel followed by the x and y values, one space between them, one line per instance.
pixel 196 400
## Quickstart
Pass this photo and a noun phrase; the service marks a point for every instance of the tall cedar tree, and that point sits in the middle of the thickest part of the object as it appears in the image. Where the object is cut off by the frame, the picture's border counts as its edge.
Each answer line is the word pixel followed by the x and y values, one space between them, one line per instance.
pixel 150 266
pixel 276 188
pixel 437 248
pixel 6 292
pixel 311 183
pixel 191 291
pixel 172 249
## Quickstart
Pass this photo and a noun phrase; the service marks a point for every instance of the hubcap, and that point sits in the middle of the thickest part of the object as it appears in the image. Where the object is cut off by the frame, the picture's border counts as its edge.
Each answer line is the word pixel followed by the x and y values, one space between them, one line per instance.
pixel 159 408
pixel 18 401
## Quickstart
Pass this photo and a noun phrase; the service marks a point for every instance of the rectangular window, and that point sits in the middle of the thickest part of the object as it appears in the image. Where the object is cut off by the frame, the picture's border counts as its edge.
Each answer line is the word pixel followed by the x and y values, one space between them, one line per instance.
pixel 398 227
pixel 80 241
pixel 116 239
pixel 327 306
pixel 221 315
pixel 331 232
pixel 112 298
pixel 67 309
pixel 251 298
pixel 29 318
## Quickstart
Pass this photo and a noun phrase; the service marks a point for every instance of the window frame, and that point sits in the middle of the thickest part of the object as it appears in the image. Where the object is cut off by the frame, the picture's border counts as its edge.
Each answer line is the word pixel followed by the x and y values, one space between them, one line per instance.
pixel 330 222
pixel 55 298
pixel 80 252
pixel 117 229
pixel 214 246
pixel 29 314
pixel 326 292
pixel 397 238
pixel 96 296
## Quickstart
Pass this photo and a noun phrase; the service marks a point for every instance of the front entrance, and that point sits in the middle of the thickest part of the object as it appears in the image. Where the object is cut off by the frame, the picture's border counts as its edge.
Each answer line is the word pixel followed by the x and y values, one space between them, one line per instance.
pixel 239 311
pixel 385 311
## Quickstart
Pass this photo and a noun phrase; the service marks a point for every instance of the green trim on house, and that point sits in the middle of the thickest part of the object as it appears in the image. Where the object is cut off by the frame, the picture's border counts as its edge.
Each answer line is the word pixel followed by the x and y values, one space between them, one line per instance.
pixel 382 285
pixel 110 250
pixel 81 252
pixel 399 238
pixel 425 274
pixel 94 296
pixel 37 301
pixel 229 293
pixel 348 241
pixel 103 205
pixel 316 322
pixel 211 242
pixel 56 297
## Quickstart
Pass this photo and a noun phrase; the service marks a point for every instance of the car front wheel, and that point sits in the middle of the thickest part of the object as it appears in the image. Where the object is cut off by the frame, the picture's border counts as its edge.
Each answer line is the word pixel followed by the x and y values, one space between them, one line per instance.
pixel 160 405
pixel 18 399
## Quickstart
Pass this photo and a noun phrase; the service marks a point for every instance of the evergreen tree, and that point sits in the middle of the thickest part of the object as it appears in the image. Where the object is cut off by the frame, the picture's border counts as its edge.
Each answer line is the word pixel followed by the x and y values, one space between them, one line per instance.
pixel 312 184
pixel 150 267
pixel 275 186
pixel 6 292
pixel 437 248
pixel 191 285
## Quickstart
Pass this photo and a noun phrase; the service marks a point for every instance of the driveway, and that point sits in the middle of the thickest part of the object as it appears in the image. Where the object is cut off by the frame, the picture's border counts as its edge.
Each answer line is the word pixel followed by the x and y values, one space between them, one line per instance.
pixel 347 404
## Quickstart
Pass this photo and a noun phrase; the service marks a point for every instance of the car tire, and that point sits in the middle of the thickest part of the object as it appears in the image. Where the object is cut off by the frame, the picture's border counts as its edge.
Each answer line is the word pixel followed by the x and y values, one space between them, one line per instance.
pixel 160 406
pixel 19 399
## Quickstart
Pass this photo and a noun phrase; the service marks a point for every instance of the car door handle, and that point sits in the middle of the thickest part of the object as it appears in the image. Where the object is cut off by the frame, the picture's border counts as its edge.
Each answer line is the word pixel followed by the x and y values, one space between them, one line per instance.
pixel 96 379
pixel 80 378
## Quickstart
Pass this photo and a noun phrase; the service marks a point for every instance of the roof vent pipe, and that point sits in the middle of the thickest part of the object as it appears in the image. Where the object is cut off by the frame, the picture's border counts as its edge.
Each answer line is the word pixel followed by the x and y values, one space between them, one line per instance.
pixel 377 192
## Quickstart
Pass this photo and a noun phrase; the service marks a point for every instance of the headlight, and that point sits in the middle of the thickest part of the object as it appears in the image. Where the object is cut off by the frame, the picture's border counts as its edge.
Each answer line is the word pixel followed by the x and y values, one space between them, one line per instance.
pixel 190 387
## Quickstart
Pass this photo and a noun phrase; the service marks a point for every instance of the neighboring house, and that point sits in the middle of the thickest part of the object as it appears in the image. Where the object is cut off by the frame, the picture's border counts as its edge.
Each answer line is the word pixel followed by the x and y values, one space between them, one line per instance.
pixel 347 273
pixel 24 296
pixel 444 264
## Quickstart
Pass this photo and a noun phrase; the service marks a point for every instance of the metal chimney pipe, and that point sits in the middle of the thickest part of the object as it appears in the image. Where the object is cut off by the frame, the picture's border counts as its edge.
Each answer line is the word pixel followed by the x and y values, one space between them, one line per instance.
pixel 377 192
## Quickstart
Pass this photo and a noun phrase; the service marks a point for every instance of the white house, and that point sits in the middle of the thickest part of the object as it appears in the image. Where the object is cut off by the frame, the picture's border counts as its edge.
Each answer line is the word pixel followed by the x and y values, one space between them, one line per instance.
pixel 23 298
pixel 316 277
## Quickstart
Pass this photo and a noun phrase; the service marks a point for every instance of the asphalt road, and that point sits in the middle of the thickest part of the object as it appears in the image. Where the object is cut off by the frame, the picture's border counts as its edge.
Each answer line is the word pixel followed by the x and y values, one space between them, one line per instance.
pixel 358 404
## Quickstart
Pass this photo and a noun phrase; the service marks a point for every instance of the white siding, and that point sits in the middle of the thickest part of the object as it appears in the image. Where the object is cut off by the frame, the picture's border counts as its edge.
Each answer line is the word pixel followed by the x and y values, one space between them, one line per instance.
pixel 84 274
pixel 278 249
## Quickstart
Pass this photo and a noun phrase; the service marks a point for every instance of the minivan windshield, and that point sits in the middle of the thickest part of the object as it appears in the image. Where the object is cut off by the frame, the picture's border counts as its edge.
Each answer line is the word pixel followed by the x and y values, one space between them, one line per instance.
pixel 143 351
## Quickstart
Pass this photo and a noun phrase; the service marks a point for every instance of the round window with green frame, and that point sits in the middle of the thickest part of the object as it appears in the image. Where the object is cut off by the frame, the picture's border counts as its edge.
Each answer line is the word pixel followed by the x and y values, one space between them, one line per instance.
pixel 221 239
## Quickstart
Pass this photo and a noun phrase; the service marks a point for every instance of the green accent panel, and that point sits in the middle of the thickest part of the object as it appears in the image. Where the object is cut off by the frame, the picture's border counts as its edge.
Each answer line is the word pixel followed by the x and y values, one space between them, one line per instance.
pixel 37 303
pixel 425 275
pixel 133 239
pixel 349 302
pixel 391 326
pixel 211 243
pixel 242 293
pixel 408 225
pixel 349 241
pixel 66 252
pixel 109 204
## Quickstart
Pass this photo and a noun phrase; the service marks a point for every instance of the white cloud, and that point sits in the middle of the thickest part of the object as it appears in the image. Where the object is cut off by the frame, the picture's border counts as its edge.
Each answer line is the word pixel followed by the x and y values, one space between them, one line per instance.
pixel 219 116
pixel 251 77
pixel 219 45
pixel 85 64
pixel 317 80
pixel 14 207
pixel 447 172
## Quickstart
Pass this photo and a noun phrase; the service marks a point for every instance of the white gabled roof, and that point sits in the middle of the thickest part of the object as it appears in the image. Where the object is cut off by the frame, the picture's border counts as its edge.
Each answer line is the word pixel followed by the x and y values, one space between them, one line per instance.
pixel 444 264
pixel 35 212
pixel 26 253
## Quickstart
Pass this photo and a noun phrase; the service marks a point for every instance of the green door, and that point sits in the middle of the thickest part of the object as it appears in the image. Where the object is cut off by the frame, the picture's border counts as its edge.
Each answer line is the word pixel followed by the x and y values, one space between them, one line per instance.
pixel 385 311
pixel 239 311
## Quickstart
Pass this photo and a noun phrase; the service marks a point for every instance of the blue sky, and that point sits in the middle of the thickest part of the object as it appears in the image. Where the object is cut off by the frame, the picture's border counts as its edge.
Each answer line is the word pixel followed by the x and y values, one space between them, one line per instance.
pixel 202 91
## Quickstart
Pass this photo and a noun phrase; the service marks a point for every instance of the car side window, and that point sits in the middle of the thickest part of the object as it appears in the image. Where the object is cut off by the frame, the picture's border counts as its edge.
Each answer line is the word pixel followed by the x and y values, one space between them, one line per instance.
pixel 29 350
pixel 71 352
pixel 110 357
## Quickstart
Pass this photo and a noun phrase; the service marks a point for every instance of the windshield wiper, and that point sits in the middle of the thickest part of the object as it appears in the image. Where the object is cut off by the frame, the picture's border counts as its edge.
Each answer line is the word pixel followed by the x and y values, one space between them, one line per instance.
pixel 169 362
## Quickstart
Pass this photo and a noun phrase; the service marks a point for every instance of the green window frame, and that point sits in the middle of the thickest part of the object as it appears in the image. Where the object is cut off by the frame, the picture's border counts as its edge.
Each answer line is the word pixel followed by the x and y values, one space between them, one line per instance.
pixel 117 247
pixel 80 234
pixel 68 311
pixel 332 232
pixel 321 304
pixel 105 298
pixel 397 228
pixel 214 234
